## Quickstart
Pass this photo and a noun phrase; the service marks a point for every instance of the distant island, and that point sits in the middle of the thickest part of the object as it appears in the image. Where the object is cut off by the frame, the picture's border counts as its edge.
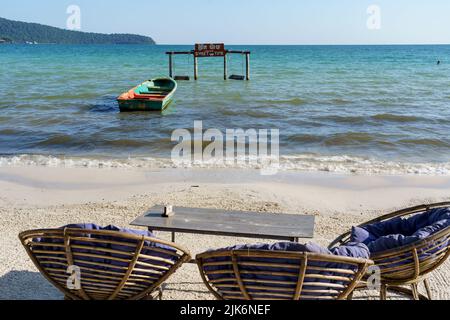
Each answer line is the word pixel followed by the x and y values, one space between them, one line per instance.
pixel 34 33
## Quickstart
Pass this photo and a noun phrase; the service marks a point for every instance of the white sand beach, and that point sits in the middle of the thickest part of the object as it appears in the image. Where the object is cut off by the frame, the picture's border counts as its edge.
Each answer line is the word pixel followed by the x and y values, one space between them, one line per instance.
pixel 40 197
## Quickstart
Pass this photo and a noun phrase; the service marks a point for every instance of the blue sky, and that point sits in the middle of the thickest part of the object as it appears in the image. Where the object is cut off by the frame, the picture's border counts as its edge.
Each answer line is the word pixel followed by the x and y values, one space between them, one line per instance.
pixel 249 21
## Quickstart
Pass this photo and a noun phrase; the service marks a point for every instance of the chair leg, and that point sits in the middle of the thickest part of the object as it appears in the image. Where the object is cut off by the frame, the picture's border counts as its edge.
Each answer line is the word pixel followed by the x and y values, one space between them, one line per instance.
pixel 383 292
pixel 160 295
pixel 415 291
pixel 155 295
pixel 350 296
pixel 427 287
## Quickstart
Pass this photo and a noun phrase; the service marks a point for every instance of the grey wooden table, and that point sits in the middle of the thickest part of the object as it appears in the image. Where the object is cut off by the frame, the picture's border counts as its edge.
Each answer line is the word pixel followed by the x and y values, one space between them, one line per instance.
pixel 229 223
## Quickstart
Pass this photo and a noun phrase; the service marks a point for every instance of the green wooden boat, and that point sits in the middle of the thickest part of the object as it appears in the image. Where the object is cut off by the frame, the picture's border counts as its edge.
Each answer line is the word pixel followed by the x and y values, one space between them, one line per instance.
pixel 152 95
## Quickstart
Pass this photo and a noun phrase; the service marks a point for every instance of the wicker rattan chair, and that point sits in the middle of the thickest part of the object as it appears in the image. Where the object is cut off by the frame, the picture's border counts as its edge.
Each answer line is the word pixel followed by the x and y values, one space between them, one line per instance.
pixel 112 265
pixel 409 265
pixel 279 275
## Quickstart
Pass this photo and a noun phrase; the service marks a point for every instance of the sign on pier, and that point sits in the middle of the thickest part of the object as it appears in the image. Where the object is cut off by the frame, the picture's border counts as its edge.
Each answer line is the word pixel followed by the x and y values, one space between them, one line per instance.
pixel 209 50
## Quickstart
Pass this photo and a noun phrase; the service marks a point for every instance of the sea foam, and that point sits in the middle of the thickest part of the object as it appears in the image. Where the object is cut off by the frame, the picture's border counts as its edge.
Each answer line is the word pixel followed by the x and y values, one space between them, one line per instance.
pixel 306 163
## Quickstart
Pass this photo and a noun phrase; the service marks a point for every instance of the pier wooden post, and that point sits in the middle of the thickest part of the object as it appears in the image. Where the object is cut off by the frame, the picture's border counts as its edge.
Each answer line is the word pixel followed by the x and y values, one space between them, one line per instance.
pixel 247 66
pixel 225 67
pixel 170 65
pixel 195 67
pixel 210 50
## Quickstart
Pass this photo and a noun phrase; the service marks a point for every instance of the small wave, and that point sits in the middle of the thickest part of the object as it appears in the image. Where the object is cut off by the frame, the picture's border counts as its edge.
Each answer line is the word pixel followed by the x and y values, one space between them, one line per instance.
pixel 426 142
pixel 293 101
pixel 46 121
pixel 305 162
pixel 343 119
pixel 304 138
pixel 9 132
pixel 4 119
pixel 129 143
pixel 339 101
pixel 297 101
pixel 101 108
pixel 396 118
pixel 349 139
pixel 59 140
pixel 71 141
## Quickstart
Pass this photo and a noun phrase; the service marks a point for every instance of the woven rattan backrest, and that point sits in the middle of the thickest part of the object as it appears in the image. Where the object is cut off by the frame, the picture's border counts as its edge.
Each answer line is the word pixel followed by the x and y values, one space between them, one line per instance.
pixel 111 264
pixel 271 275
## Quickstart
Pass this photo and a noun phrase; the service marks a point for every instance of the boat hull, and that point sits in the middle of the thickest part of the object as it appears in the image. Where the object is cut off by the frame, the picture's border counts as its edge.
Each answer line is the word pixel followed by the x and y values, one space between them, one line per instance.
pixel 152 95
pixel 143 105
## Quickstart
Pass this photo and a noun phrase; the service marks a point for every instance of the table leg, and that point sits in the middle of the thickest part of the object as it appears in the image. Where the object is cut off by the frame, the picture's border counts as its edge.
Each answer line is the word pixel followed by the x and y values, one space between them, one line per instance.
pixel 173 236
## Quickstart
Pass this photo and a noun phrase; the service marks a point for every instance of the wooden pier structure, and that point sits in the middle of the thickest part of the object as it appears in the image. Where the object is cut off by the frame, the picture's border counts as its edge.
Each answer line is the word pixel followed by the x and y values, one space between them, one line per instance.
pixel 209 51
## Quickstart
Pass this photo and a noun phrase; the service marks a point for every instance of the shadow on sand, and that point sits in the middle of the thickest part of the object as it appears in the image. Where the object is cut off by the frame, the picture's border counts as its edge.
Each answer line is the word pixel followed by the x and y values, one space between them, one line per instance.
pixel 26 285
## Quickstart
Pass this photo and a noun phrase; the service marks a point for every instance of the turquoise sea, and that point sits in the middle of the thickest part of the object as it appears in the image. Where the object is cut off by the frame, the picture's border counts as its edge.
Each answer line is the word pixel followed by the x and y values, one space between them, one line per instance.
pixel 376 109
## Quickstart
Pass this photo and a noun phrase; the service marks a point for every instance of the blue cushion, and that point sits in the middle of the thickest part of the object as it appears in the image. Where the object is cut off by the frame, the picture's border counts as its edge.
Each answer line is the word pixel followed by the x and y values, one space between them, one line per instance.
pixel 92 226
pixel 355 250
pixel 361 235
pixel 398 232
pixel 352 250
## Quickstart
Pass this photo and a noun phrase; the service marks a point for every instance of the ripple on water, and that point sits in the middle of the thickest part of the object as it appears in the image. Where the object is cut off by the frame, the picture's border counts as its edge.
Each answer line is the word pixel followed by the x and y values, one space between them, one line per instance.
pixel 426 142
pixel 291 102
pixel 397 118
pixel 355 138
pixel 346 119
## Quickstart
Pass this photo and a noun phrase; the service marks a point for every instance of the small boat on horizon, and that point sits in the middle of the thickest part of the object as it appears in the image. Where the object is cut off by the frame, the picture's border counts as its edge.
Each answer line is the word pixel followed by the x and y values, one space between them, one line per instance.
pixel 152 95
